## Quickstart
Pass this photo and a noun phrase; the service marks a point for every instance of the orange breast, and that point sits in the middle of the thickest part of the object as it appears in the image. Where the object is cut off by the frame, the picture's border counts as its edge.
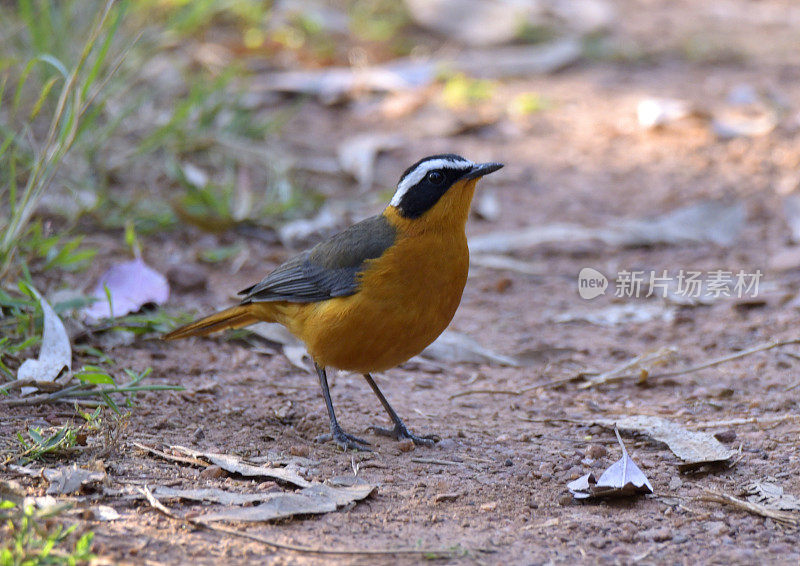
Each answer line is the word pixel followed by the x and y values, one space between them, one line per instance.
pixel 407 298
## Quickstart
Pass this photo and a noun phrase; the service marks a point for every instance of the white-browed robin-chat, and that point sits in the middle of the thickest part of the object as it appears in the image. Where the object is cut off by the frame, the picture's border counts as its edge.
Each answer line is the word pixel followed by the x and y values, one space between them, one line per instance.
pixel 378 293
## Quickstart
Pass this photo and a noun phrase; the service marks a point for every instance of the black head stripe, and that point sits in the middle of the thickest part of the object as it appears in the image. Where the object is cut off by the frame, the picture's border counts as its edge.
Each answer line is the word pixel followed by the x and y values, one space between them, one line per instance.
pixel 424 183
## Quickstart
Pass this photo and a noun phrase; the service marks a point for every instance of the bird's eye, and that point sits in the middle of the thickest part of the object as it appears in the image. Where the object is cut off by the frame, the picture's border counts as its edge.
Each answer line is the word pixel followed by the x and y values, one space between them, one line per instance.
pixel 436 177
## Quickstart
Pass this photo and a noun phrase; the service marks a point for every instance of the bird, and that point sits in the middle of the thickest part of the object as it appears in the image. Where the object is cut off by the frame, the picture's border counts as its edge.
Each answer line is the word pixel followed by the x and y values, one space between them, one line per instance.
pixel 376 294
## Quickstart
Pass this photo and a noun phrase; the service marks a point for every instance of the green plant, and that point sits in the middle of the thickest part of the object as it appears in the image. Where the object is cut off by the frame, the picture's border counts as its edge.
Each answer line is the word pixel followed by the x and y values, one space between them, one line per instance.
pixel 33 148
pixel 40 443
pixel 30 537
pixel 461 91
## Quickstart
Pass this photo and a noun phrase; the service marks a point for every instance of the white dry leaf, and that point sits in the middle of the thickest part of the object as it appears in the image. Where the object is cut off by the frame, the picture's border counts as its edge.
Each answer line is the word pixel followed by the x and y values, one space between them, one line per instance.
pixel 791 210
pixel 615 315
pixel 456 347
pixel 738 124
pixel 623 478
pixel 693 447
pixel 70 479
pixel 656 112
pixel 772 496
pixel 708 221
pixel 357 155
pixel 291 347
pixel 315 499
pixel 131 285
pixel 100 513
pixel 54 355
pixel 236 465
pixel 212 495
pixel 297 232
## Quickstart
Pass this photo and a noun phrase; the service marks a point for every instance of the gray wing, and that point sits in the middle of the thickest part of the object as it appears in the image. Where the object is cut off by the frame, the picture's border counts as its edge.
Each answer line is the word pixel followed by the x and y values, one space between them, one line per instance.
pixel 329 269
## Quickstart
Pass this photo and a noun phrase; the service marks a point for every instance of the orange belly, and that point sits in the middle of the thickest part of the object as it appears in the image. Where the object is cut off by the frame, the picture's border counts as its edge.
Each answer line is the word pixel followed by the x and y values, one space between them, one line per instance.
pixel 396 313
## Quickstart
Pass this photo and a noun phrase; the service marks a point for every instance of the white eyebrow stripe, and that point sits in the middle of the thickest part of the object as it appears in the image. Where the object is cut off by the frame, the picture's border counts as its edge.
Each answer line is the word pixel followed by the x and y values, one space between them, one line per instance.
pixel 423 169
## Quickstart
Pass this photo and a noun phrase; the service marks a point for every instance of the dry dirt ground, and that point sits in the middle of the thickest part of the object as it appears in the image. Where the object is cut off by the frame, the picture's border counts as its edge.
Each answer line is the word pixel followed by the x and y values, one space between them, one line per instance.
pixel 584 160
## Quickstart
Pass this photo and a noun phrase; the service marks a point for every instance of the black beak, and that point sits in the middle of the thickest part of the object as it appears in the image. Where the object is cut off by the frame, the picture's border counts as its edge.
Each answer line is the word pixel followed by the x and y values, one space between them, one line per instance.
pixel 481 169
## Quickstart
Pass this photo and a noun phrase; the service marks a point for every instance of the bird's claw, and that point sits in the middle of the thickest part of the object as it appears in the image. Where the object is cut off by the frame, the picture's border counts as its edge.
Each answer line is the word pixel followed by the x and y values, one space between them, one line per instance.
pixel 344 440
pixel 400 432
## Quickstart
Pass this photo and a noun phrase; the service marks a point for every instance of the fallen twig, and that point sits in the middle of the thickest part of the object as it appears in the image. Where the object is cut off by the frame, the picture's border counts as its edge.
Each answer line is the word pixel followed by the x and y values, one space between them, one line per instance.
pixel 616 375
pixel 517 392
pixel 161 508
pixel 172 457
pixel 435 461
pixel 784 517
pixel 748 420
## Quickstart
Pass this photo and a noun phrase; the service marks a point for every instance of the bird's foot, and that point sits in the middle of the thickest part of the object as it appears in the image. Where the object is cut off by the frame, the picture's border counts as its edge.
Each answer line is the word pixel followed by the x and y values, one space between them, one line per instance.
pixel 400 432
pixel 344 440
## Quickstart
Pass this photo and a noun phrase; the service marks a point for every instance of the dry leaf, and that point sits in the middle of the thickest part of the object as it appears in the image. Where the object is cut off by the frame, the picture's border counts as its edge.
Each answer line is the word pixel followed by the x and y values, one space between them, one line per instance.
pixel 694 448
pixel 357 155
pixel 292 348
pixel 315 499
pixel 656 112
pixel 771 495
pixel 70 479
pixel 455 347
pixel 614 315
pixel 213 495
pixel 235 465
pixel 709 221
pixel 100 513
pixel 131 285
pixel 54 355
pixel 623 478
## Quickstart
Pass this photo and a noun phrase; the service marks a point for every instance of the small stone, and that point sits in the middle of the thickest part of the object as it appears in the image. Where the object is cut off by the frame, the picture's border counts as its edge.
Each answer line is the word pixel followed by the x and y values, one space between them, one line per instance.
pixel 442 497
pixel 502 438
pixel 508 463
pixel 212 472
pixel 565 500
pixel 655 535
pixel 299 450
pixel 725 435
pixel 199 434
pixel 596 451
pixel 187 277
pixel 716 528
pixel 406 445
pixel 490 506
pixel 675 483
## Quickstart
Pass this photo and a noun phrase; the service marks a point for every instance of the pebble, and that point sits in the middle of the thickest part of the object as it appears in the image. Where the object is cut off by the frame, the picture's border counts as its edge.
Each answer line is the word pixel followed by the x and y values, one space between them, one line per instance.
pixel 566 499
pixel 406 445
pixel 299 450
pixel 212 472
pixel 490 506
pixel 655 535
pixel 726 435
pixel 716 528
pixel 596 451
pixel 187 277
pixel 440 497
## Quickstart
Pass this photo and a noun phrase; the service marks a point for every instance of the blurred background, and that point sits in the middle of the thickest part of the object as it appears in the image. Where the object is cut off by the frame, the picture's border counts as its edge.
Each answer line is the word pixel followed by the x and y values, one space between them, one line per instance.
pixel 172 152
pixel 234 116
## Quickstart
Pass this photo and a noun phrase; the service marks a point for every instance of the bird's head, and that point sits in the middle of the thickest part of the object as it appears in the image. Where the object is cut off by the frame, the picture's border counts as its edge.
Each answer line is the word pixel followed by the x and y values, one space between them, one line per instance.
pixel 437 190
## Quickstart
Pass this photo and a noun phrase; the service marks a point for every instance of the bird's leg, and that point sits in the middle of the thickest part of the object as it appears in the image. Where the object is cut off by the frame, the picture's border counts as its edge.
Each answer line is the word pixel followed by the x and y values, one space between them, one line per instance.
pixel 399 432
pixel 340 437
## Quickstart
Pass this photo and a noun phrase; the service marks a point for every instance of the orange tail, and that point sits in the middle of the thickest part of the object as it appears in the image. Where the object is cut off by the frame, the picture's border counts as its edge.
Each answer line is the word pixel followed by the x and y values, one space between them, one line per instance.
pixel 234 317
